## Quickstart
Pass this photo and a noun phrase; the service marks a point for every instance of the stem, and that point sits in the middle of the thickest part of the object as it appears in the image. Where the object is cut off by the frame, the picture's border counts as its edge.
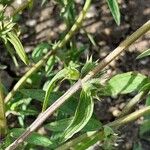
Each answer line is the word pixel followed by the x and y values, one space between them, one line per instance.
pixel 3 128
pixel 37 66
pixel 116 52
pixel 86 140
pixel 16 8
pixel 59 102
pixel 129 118
pixel 129 106
pixel 22 80
pixel 94 135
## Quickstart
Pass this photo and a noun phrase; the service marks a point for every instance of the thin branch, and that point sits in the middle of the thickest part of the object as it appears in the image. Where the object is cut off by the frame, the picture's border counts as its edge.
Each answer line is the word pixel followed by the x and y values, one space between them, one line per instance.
pixel 43 116
pixel 3 127
pixel 23 79
pixel 99 135
pixel 60 44
pixel 16 7
pixel 135 100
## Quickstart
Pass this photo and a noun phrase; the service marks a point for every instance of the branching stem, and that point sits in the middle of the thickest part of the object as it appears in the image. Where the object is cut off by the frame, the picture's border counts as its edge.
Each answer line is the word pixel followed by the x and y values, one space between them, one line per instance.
pixel 60 44
pixel 43 116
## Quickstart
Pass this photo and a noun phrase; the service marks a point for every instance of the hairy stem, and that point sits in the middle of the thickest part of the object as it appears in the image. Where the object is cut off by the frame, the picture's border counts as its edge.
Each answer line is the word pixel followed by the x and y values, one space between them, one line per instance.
pixel 59 102
pixel 95 136
pixel 60 44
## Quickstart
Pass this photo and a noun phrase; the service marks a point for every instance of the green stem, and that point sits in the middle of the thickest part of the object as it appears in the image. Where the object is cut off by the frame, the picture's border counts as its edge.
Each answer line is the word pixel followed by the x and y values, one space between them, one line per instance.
pixel 95 136
pixel 3 128
pixel 129 106
pixel 17 7
pixel 60 44
pixel 23 79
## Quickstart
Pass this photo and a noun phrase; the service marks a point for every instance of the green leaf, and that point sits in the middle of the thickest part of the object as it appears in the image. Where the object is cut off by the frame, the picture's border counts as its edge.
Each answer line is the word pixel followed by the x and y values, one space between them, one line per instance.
pixel 82 142
pixel 88 66
pixel 49 65
pixel 82 115
pixel 125 83
pixel 37 94
pixel 91 38
pixel 137 146
pixel 145 87
pixel 70 73
pixel 60 75
pixel 108 131
pixel 148 100
pixel 28 112
pixel 145 129
pixel 144 54
pixel 61 125
pixel 39 51
pixel 114 8
pixel 35 138
pixel 14 40
pixel 23 101
pixel 147 116
pixel 34 80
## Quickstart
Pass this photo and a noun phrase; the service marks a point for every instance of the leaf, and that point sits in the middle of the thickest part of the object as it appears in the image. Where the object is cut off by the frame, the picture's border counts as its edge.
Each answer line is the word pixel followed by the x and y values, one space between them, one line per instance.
pixel 88 66
pixel 69 107
pixel 145 129
pixel 108 131
pixel 137 146
pixel 147 116
pixel 61 125
pixel 145 87
pixel 125 83
pixel 114 8
pixel 148 100
pixel 70 73
pixel 34 93
pixel 39 94
pixel 13 39
pixel 82 142
pixel 82 115
pixel 23 101
pixel 61 74
pixel 144 54
pixel 39 140
pixel 90 36
pixel 28 112
pixel 39 51
pixel 35 138
pixel 34 80
pixel 50 64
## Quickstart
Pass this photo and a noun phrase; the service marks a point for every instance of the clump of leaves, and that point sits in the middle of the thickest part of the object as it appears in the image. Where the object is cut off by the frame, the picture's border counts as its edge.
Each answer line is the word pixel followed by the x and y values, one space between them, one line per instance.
pixel 8 35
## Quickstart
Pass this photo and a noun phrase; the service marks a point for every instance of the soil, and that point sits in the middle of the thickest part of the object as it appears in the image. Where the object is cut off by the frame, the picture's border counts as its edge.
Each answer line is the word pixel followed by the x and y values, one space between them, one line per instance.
pixel 43 24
